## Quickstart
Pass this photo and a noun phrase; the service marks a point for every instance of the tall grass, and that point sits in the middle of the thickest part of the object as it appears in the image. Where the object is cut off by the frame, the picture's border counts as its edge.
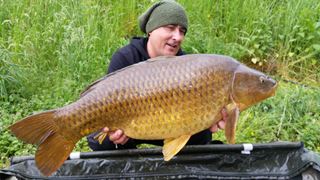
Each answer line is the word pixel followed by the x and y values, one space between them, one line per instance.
pixel 70 42
pixel 9 73
pixel 280 36
pixel 51 50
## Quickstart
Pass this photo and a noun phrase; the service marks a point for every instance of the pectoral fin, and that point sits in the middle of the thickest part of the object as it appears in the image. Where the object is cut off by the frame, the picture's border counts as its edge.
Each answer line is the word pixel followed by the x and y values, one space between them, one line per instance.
pixel 172 146
pixel 231 123
pixel 101 136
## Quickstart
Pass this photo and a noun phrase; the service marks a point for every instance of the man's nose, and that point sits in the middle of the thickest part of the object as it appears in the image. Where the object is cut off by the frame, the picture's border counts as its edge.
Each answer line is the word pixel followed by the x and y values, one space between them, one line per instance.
pixel 177 35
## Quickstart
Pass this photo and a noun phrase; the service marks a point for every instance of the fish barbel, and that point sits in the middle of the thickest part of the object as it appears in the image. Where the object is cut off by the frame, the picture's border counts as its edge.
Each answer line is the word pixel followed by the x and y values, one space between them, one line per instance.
pixel 169 98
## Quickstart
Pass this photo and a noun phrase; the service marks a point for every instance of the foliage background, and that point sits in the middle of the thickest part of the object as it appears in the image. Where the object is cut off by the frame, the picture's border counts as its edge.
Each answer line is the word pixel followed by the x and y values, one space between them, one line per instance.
pixel 51 50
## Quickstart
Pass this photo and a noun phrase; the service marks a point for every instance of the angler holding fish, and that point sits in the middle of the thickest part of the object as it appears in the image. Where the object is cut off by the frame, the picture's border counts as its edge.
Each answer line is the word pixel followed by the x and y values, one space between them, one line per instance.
pixel 165 24
pixel 168 98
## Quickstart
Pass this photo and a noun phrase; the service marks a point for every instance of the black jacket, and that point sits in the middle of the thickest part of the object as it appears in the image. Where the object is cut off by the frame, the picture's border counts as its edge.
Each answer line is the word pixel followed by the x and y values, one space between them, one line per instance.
pixel 133 53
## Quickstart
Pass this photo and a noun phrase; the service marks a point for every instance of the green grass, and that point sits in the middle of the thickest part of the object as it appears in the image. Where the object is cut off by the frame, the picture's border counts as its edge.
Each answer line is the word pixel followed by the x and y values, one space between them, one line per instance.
pixel 277 36
pixel 51 50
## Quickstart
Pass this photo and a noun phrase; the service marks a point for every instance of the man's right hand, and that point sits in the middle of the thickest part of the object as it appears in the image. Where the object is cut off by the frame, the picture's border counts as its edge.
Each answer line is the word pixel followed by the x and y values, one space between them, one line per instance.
pixel 117 137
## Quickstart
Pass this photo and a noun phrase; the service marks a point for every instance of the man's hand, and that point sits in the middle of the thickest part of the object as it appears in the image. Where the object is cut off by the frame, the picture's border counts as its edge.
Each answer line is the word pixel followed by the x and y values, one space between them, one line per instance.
pixel 222 123
pixel 117 137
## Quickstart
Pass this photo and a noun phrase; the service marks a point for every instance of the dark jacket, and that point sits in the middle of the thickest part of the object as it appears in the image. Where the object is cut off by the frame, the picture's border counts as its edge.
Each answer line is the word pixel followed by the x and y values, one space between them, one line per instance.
pixel 132 53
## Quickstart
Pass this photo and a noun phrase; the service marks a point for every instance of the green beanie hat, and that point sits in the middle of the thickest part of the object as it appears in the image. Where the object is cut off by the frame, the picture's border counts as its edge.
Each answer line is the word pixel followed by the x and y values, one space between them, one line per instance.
pixel 163 13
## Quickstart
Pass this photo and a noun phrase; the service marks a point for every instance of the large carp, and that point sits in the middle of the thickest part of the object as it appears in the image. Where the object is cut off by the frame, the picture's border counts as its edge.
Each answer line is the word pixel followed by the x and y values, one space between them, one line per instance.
pixel 169 98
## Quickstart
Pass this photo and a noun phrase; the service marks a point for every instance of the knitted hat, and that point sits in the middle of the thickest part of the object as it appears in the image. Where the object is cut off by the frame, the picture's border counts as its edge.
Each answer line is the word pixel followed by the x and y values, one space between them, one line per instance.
pixel 163 13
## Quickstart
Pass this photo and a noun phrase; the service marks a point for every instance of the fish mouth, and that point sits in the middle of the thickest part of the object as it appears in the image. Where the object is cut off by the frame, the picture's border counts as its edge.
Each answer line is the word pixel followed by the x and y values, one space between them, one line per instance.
pixel 274 88
pixel 274 82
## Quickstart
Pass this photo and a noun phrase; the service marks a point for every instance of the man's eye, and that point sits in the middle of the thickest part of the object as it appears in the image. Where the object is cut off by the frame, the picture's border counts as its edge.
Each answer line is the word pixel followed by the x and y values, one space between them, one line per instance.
pixel 182 30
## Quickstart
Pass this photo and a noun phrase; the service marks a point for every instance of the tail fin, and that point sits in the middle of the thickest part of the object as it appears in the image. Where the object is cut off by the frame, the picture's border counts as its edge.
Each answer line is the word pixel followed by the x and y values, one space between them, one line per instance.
pixel 40 129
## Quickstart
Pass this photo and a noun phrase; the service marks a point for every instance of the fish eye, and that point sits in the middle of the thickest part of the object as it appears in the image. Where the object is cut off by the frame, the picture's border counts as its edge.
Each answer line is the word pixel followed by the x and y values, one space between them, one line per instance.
pixel 262 79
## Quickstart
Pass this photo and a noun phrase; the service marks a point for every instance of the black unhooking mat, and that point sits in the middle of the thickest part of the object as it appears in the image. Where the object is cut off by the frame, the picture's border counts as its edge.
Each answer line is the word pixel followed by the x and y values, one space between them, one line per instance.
pixel 280 160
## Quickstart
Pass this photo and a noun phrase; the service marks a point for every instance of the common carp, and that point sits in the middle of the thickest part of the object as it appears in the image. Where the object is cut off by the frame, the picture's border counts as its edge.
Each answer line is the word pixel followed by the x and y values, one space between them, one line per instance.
pixel 169 98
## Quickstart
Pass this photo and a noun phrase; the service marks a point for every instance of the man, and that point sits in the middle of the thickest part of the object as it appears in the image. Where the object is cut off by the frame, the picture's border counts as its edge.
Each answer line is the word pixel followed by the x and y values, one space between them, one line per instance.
pixel 165 24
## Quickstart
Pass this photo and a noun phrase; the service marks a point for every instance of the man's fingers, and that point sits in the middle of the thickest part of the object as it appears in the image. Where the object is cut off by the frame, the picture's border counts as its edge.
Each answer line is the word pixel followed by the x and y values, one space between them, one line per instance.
pixel 118 137
pixel 224 114
pixel 105 130
pixel 221 124
pixel 115 135
pixel 122 140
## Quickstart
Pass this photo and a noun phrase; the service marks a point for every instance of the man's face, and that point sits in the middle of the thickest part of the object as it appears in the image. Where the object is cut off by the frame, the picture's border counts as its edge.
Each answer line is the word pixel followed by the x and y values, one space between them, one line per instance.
pixel 165 40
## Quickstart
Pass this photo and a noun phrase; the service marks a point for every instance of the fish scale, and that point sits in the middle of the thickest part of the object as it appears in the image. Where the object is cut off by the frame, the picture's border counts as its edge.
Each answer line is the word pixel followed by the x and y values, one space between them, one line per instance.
pixel 169 98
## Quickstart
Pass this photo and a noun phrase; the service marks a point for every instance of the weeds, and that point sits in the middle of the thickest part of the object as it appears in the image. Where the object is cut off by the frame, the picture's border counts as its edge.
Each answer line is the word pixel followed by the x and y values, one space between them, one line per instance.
pixel 9 72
